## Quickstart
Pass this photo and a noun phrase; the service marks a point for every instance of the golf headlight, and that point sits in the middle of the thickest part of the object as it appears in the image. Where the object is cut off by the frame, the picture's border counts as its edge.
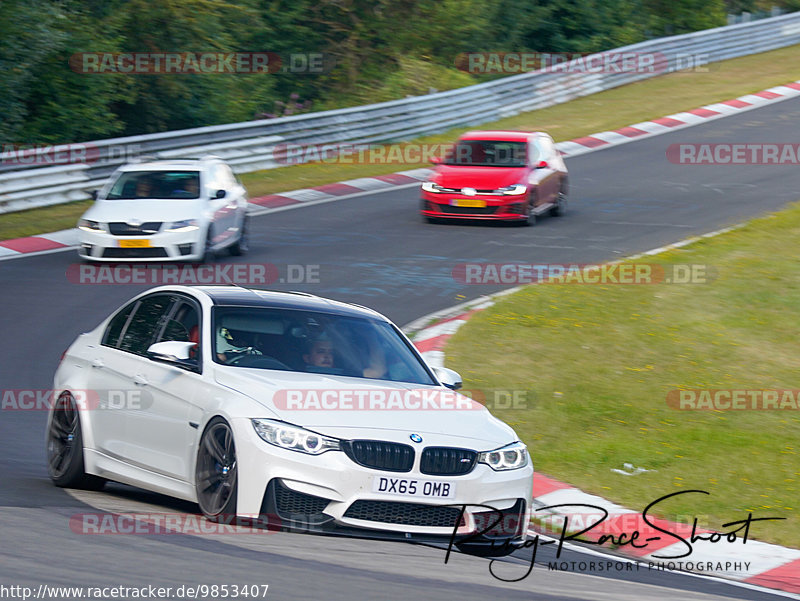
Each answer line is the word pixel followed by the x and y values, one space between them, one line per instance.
pixel 431 187
pixel 514 190
pixel 187 225
pixel 510 457
pixel 294 438
pixel 89 226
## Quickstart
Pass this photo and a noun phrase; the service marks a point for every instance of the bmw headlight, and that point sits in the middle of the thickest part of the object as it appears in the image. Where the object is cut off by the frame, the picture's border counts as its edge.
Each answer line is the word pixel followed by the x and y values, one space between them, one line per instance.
pixel 187 225
pixel 514 190
pixel 431 187
pixel 510 457
pixel 294 438
pixel 90 226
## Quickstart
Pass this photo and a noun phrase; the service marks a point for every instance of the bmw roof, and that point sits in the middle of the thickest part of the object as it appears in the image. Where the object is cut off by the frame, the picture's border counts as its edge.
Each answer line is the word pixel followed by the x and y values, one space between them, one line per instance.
pixel 246 297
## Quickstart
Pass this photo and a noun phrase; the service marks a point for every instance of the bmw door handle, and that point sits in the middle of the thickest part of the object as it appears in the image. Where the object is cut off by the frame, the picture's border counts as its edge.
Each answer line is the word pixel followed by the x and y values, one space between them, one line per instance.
pixel 98 363
pixel 140 380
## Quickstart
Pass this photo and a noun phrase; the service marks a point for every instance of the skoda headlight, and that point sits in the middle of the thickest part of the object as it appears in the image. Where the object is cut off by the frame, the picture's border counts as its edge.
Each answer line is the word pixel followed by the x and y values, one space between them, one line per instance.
pixel 514 190
pixel 431 187
pixel 510 457
pixel 90 226
pixel 294 438
pixel 187 225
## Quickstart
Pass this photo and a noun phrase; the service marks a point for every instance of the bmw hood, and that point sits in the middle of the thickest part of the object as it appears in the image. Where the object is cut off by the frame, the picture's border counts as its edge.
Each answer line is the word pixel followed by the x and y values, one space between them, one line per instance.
pixel 339 406
pixel 144 211
pixel 480 178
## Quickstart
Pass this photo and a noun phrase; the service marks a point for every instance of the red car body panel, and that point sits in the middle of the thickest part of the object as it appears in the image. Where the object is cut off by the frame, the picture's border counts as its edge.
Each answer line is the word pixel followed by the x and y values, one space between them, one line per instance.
pixel 474 191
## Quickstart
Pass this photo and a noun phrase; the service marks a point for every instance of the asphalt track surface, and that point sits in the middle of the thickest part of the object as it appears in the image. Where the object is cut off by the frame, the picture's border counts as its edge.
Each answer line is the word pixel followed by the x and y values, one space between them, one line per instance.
pixel 376 251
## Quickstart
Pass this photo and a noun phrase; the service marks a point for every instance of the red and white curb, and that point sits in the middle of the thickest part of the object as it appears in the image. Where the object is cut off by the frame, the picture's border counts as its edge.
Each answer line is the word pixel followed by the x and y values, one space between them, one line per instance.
pixel 756 563
pixel 58 241
pixel 346 189
pixel 670 123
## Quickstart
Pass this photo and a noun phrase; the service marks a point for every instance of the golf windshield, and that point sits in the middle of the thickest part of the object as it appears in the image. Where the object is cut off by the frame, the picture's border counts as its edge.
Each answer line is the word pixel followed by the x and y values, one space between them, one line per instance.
pixel 487 153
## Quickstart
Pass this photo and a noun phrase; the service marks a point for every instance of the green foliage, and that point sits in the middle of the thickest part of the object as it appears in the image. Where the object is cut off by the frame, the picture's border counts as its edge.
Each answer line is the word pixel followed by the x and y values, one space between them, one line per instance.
pixel 378 49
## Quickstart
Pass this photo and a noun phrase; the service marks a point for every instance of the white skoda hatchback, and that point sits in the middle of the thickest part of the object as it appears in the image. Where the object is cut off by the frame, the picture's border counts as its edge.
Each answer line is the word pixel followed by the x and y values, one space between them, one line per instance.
pixel 182 210
pixel 296 411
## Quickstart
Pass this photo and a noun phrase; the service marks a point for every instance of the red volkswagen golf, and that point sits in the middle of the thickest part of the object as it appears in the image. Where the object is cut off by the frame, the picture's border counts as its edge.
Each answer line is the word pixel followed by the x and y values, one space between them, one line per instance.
pixel 501 175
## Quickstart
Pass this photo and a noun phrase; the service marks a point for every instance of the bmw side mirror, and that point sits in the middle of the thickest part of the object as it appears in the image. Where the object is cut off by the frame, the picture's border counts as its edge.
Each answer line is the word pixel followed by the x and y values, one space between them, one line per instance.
pixel 449 378
pixel 220 194
pixel 542 165
pixel 94 194
pixel 173 352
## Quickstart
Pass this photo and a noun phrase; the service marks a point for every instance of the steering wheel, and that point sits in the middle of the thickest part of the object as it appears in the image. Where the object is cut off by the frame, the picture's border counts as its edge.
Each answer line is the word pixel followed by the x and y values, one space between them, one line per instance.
pixel 262 361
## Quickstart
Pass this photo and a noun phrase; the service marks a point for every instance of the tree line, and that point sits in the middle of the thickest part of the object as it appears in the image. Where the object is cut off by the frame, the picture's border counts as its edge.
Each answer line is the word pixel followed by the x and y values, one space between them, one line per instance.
pixel 371 50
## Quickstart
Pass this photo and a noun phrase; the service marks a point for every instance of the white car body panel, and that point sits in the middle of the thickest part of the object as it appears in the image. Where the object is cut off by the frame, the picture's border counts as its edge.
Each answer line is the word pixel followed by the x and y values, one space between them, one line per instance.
pixel 155 446
pixel 222 217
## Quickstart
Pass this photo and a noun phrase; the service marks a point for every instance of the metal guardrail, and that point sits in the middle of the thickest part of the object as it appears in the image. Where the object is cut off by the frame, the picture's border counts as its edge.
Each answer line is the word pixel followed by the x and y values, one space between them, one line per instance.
pixel 250 146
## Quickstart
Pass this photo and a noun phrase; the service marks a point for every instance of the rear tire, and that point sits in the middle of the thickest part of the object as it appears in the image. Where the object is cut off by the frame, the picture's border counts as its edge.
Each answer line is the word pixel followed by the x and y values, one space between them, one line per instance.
pixel 65 447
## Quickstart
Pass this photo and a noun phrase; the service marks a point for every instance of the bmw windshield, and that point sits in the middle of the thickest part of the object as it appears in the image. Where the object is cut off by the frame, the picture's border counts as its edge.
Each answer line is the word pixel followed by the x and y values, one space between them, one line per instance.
pixel 314 342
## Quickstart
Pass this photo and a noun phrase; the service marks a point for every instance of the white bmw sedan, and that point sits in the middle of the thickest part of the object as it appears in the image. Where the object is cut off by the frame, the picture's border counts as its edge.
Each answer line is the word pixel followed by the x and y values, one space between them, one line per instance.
pixel 288 408
pixel 179 210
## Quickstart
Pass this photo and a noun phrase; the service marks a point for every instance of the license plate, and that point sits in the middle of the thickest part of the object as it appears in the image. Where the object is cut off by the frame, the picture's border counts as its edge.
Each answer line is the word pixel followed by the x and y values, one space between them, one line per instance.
pixel 134 243
pixel 472 203
pixel 413 487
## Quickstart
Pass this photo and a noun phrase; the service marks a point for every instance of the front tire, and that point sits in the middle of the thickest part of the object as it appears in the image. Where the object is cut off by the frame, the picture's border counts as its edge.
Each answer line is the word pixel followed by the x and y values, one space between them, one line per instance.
pixel 207 255
pixel 65 447
pixel 561 204
pixel 216 472
pixel 242 245
pixel 530 215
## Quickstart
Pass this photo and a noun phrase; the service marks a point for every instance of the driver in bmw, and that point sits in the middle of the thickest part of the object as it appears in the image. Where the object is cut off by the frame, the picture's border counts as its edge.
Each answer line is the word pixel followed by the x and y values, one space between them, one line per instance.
pixel 229 349
pixel 320 358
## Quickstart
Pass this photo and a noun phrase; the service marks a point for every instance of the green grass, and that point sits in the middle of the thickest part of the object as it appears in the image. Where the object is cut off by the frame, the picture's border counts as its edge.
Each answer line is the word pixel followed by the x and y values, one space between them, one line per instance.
pixel 43 220
pixel 596 363
pixel 612 109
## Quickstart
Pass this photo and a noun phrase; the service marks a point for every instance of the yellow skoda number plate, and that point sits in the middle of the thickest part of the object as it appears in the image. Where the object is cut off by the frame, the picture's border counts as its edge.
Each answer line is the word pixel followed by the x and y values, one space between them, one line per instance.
pixel 472 203
pixel 134 243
